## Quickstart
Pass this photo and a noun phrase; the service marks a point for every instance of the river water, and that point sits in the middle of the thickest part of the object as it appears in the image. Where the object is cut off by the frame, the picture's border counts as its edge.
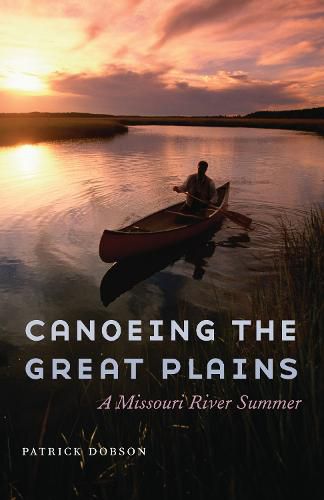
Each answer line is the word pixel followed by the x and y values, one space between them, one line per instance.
pixel 56 199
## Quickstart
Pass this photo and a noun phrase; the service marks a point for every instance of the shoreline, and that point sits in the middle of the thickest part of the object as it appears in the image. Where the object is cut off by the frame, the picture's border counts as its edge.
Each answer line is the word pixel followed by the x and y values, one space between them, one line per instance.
pixel 298 124
pixel 22 128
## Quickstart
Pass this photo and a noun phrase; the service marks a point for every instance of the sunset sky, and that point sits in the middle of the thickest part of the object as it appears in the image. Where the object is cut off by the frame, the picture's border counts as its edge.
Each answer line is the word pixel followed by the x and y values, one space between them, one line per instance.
pixel 161 57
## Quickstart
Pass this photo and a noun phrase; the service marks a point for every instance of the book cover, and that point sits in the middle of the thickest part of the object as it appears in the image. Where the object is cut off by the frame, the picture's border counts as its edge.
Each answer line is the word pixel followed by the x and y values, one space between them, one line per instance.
pixel 161 256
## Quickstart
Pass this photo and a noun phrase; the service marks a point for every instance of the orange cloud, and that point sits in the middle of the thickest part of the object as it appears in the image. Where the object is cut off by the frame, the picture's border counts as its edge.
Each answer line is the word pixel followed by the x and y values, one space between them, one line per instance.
pixel 286 54
pixel 185 17
pixel 130 92
pixel 202 49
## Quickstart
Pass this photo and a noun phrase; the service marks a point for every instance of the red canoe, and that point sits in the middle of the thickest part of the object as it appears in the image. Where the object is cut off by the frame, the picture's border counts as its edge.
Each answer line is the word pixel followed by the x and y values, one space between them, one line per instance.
pixel 164 228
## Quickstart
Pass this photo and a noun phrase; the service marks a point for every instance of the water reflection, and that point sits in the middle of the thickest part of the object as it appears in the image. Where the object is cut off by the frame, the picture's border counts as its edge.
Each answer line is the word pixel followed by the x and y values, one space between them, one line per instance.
pixel 236 241
pixel 198 256
pixel 124 275
pixel 27 173
pixel 27 159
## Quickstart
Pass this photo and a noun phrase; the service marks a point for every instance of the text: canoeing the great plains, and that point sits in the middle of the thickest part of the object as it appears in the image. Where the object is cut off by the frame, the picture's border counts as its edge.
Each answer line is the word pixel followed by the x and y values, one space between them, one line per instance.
pixel 159 331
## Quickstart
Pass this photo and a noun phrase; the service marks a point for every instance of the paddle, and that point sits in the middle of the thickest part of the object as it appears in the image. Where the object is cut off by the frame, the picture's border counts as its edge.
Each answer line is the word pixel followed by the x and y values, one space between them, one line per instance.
pixel 240 219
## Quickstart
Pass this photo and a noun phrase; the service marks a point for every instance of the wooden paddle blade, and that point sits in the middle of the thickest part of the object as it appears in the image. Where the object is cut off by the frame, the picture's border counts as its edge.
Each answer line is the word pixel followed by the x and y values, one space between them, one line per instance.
pixel 240 219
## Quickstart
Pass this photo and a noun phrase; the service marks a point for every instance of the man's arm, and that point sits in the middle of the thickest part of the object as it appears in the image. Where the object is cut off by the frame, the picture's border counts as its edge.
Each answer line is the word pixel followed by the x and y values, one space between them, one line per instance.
pixel 183 187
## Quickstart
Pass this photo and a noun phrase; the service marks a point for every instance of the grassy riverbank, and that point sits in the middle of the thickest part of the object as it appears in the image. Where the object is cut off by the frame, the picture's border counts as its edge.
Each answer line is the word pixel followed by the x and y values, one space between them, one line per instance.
pixel 302 124
pixel 18 128
pixel 296 291
pixel 308 120
pixel 33 128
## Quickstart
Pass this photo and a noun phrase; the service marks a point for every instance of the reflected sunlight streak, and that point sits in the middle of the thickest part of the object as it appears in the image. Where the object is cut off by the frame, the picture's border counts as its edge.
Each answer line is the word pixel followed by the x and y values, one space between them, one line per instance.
pixel 26 174
pixel 27 159
pixel 32 179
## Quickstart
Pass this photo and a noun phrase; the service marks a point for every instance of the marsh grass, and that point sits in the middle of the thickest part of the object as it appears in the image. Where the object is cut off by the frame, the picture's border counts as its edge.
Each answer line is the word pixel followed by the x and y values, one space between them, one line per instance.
pixel 199 454
pixel 22 129
pixel 297 292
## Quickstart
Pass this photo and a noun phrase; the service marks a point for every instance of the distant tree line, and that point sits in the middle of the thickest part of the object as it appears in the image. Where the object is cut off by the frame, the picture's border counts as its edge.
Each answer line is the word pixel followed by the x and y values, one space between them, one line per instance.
pixel 308 113
pixel 293 113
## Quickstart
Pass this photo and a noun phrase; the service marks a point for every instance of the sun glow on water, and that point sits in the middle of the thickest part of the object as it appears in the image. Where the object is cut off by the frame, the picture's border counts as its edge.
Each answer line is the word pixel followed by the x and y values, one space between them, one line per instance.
pixel 27 158
pixel 32 179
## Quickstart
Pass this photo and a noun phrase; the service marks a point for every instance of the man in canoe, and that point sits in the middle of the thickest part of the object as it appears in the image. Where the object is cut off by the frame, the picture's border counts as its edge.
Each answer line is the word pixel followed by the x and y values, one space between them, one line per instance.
pixel 200 186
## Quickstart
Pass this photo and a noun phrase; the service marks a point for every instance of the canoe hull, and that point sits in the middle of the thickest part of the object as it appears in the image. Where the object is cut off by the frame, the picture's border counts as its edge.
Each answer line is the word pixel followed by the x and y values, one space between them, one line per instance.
pixel 119 245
